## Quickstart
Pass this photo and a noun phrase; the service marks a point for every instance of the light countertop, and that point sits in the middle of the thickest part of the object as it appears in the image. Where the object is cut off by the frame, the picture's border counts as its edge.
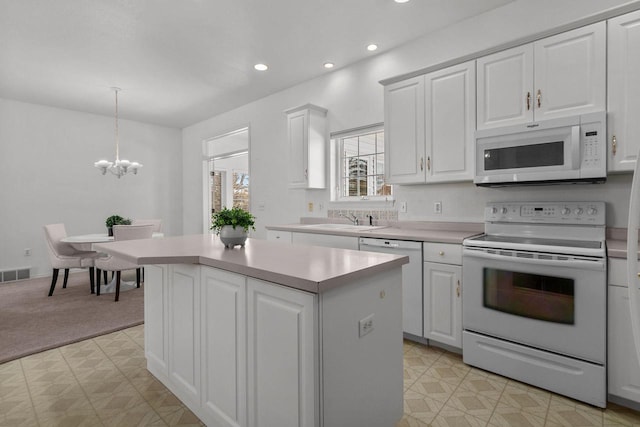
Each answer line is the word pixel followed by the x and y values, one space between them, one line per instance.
pixel 308 268
pixel 617 243
pixel 444 232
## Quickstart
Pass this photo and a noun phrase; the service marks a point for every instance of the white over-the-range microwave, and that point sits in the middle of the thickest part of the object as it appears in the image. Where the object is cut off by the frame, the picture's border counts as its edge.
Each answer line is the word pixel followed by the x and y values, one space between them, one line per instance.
pixel 555 151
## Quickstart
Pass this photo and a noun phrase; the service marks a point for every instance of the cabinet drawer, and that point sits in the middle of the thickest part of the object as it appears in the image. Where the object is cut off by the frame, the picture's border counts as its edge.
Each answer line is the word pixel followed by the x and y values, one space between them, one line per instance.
pixel 279 236
pixel 447 253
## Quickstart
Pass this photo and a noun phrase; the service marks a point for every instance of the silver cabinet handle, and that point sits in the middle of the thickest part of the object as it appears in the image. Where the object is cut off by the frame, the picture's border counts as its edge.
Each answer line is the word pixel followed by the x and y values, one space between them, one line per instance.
pixel 421 163
pixel 614 145
pixel 458 289
pixel 539 98
pixel 528 101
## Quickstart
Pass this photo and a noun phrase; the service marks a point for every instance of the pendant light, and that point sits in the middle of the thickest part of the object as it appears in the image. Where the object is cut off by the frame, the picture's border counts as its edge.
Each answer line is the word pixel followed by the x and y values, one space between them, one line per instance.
pixel 118 167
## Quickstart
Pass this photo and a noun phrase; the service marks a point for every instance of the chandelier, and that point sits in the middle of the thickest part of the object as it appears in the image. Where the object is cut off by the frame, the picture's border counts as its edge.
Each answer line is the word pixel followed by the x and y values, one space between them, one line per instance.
pixel 119 167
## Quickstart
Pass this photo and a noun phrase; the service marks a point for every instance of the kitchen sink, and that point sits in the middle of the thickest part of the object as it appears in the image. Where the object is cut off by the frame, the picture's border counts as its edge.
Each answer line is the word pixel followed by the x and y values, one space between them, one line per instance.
pixel 346 227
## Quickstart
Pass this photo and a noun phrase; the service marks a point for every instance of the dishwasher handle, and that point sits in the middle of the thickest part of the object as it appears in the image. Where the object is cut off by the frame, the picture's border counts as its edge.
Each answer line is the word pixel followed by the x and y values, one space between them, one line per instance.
pixel 390 244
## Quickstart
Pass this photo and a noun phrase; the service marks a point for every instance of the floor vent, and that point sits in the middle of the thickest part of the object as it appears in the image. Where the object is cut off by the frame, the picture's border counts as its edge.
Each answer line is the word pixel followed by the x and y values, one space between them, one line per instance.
pixel 17 274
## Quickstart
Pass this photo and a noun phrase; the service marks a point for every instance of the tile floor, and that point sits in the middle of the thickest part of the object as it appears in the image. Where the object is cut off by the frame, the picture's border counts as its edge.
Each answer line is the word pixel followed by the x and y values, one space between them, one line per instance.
pixel 103 382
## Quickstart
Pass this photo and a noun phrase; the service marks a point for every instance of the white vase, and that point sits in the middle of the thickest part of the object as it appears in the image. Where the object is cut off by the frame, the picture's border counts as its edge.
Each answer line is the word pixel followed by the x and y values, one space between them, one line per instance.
pixel 233 236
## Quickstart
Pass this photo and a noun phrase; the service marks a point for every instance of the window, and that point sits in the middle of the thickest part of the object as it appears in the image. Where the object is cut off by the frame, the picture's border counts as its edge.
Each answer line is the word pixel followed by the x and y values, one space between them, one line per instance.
pixel 361 165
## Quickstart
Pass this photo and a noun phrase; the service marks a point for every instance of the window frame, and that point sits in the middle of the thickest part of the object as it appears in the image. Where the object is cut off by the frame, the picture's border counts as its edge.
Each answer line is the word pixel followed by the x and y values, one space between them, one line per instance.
pixel 337 141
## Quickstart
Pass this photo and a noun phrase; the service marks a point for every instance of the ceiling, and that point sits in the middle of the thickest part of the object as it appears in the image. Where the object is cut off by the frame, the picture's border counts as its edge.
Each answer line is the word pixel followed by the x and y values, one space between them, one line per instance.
pixel 182 61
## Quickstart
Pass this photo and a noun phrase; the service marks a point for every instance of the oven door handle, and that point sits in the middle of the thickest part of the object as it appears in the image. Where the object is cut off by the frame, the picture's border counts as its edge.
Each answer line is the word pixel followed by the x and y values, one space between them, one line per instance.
pixel 597 265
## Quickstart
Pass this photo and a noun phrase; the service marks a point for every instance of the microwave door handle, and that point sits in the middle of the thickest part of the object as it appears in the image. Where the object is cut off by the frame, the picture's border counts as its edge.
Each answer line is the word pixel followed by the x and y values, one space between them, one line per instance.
pixel 575 147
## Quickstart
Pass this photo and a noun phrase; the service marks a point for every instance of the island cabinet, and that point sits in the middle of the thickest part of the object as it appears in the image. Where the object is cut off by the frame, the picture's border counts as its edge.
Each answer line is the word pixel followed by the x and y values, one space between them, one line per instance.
pixel 623 87
pixel 240 351
pixel 623 375
pixel 307 136
pixel 430 121
pixel 557 76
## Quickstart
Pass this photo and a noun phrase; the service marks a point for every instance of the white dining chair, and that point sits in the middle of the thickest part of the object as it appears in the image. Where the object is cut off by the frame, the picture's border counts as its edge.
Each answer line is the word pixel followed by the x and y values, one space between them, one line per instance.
pixel 114 263
pixel 157 223
pixel 63 255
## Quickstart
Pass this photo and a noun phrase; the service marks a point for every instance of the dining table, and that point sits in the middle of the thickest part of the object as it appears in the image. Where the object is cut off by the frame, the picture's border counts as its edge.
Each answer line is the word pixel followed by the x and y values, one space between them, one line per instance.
pixel 85 242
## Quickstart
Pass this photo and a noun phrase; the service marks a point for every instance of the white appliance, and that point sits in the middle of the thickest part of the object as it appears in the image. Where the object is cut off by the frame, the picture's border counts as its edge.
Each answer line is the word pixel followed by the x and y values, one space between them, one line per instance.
pixel 534 306
pixel 564 150
pixel 411 278
pixel 633 276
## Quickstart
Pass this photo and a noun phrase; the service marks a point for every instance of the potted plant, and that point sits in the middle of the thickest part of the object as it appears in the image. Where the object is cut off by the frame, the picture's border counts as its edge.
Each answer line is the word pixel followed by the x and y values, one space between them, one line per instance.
pixel 116 220
pixel 232 225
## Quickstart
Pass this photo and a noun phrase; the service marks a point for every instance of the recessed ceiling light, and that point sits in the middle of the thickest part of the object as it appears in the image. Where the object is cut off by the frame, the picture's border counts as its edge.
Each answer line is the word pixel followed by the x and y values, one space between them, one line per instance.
pixel 329 65
pixel 372 47
pixel 261 67
pixel 401 1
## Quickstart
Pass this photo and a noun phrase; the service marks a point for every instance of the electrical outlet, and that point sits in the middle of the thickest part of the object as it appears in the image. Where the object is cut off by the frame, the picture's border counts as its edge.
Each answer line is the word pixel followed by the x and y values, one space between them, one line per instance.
pixel 27 251
pixel 437 207
pixel 403 207
pixel 365 325
pixel 261 205
pixel 320 206
pixel 310 206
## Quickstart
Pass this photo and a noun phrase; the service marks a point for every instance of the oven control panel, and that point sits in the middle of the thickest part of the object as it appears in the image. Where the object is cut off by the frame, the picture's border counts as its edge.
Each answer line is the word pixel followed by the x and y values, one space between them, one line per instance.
pixel 546 212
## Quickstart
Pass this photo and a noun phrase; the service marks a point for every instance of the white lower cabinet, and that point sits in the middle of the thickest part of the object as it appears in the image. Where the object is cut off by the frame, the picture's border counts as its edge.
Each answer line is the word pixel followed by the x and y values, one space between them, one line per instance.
pixel 223 346
pixel 623 368
pixel 279 236
pixel 443 304
pixel 326 240
pixel 156 342
pixel 244 352
pixel 442 293
pixel 184 331
pixel 282 370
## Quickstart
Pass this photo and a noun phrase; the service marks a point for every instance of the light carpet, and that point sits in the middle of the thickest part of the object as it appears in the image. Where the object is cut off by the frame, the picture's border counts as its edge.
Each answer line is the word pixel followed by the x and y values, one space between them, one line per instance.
pixel 31 322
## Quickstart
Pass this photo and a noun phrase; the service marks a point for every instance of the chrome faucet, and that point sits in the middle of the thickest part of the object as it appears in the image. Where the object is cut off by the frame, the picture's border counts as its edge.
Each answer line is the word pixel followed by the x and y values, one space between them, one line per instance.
pixel 351 217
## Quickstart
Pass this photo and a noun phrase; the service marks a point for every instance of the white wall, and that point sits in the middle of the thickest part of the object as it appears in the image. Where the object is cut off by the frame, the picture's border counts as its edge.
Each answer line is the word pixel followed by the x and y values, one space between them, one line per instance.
pixel 47 176
pixel 354 98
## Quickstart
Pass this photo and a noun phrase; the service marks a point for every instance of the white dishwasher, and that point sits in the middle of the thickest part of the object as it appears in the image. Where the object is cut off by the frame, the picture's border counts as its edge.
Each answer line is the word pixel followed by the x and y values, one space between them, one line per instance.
pixel 411 278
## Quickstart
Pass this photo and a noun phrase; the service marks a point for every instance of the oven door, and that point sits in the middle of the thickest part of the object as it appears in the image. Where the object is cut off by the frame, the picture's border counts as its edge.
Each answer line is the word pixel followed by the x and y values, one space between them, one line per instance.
pixel 547 301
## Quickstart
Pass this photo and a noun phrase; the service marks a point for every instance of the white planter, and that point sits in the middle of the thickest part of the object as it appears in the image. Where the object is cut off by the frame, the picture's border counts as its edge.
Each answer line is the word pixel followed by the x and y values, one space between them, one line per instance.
pixel 233 236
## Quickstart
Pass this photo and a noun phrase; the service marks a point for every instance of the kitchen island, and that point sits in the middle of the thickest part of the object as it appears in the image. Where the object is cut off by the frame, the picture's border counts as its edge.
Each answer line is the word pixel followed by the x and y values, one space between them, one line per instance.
pixel 273 334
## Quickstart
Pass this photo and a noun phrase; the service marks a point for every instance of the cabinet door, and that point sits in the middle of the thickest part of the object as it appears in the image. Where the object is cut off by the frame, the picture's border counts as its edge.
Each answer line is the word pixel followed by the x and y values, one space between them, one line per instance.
pixel 570 73
pixel 306 132
pixel 279 236
pixel 282 373
pixel 223 299
pixel 298 123
pixel 623 367
pixel 326 240
pixel 450 111
pixel 443 303
pixel 623 90
pixel 505 88
pixel 405 161
pixel 155 320
pixel 184 331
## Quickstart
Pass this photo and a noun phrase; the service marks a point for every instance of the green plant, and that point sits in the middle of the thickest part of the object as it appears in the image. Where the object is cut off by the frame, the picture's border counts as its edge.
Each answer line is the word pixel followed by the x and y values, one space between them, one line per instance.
pixel 237 217
pixel 117 220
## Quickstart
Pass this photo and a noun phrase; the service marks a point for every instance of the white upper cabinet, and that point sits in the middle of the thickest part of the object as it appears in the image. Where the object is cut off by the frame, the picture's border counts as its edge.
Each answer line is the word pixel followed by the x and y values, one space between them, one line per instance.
pixel 450 112
pixel 307 136
pixel 404 129
pixel 504 87
pixel 429 125
pixel 558 76
pixel 623 91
